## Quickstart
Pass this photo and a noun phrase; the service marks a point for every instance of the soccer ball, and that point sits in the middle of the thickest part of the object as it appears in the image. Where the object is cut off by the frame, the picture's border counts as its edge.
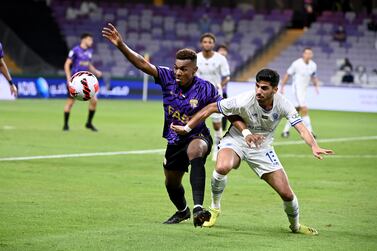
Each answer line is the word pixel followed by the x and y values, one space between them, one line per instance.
pixel 83 85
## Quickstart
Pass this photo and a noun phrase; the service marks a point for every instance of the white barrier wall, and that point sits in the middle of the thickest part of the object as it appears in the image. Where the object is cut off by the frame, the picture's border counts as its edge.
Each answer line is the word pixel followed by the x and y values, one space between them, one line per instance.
pixel 329 98
pixel 4 89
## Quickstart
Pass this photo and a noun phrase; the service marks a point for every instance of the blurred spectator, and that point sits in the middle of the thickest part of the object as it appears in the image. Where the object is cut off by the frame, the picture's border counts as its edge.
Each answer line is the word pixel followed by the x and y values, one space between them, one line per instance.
pixel 228 27
pixel 361 76
pixel 309 14
pixel 340 34
pixel 204 24
pixel 346 64
pixel 348 76
pixel 372 25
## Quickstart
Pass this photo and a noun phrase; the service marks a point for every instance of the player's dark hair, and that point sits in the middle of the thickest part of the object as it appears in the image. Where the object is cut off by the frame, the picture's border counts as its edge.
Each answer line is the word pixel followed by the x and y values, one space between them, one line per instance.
pixel 186 54
pixel 307 48
pixel 223 46
pixel 208 34
pixel 269 76
pixel 85 35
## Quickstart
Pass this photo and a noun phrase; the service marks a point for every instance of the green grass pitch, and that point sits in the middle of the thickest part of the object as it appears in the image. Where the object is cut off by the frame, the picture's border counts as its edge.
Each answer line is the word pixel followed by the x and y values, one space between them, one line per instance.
pixel 118 202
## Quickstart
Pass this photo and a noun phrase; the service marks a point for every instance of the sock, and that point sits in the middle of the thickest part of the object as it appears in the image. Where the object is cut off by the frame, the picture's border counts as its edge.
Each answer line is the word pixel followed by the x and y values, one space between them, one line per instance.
pixel 292 211
pixel 307 123
pixel 287 127
pixel 218 183
pixel 218 136
pixel 66 118
pixel 90 116
pixel 177 196
pixel 198 180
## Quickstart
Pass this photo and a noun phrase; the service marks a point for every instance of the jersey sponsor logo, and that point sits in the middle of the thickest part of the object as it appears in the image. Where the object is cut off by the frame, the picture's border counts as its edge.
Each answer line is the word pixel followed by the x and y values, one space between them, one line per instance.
pixel 177 115
pixel 194 103
pixel 264 116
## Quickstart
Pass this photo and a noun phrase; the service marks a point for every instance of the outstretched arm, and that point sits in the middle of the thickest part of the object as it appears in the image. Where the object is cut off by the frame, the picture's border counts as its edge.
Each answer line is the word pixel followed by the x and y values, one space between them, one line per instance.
pixel 309 139
pixel 112 34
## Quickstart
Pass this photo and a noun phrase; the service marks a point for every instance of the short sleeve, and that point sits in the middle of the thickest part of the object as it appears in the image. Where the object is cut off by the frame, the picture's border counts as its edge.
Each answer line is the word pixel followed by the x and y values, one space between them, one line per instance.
pixel 212 93
pixel 314 73
pixel 165 75
pixel 291 113
pixel 292 69
pixel 233 105
pixel 224 67
pixel 71 54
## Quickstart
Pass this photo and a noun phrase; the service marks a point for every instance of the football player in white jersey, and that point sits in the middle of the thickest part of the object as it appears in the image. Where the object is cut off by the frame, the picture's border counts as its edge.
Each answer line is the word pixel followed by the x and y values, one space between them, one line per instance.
pixel 302 70
pixel 213 67
pixel 251 138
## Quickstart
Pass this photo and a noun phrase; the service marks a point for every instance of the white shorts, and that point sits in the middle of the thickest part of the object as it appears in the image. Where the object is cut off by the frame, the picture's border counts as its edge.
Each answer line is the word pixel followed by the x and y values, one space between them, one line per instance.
pixel 261 161
pixel 299 92
pixel 217 117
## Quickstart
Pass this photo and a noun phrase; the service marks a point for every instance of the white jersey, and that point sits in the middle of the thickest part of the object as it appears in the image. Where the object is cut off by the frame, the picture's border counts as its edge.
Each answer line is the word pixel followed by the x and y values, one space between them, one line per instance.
pixel 212 69
pixel 302 72
pixel 257 119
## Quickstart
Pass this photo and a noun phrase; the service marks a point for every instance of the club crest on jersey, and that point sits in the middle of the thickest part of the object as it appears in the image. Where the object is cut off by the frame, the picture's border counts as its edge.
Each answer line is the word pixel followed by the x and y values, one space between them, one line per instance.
pixel 275 116
pixel 194 103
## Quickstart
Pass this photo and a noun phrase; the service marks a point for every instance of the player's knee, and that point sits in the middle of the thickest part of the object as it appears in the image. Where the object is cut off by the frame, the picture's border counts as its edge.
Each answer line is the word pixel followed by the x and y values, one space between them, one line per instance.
pixel 223 168
pixel 287 195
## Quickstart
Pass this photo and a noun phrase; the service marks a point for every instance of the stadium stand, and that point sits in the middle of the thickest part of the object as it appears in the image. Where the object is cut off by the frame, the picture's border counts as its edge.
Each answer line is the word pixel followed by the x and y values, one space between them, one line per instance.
pixel 161 31
pixel 329 54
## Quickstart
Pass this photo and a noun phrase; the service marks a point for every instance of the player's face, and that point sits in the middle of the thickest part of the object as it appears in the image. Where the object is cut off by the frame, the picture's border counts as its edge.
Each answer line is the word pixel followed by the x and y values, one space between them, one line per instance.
pixel 307 55
pixel 207 44
pixel 184 71
pixel 88 41
pixel 264 91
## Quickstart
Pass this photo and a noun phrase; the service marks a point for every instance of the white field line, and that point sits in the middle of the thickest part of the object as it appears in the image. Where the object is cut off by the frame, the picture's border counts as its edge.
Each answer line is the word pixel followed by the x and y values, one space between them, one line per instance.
pixel 161 151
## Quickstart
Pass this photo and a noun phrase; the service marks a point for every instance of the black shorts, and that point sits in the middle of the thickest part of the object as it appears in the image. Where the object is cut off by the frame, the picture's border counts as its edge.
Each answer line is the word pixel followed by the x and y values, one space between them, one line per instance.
pixel 176 158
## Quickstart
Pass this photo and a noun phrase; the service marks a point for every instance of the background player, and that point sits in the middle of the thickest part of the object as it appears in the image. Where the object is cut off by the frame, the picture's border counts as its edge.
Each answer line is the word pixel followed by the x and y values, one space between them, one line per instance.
pixel 79 59
pixel 303 70
pixel 5 72
pixel 261 110
pixel 223 50
pixel 213 67
pixel 184 94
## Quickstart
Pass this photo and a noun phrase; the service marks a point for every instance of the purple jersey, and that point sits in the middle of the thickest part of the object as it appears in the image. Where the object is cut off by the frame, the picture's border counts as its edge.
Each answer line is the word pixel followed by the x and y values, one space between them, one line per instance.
pixel 1 51
pixel 180 105
pixel 81 59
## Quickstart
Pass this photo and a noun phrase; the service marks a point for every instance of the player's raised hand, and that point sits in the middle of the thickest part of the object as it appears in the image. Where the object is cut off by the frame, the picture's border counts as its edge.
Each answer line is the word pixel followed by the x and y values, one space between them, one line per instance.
pixel 178 129
pixel 112 34
pixel 317 152
pixel 254 140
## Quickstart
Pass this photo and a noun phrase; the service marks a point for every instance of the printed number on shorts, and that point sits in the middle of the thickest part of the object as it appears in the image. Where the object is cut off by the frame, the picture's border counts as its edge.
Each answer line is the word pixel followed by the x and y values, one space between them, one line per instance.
pixel 272 157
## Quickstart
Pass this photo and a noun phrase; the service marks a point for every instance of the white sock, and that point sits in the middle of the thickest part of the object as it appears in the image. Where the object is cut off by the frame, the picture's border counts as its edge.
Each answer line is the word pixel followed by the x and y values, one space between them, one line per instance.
pixel 218 183
pixel 218 136
pixel 307 123
pixel 292 210
pixel 287 127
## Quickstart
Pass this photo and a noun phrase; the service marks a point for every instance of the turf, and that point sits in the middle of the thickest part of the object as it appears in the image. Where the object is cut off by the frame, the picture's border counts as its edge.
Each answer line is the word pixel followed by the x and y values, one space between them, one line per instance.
pixel 118 202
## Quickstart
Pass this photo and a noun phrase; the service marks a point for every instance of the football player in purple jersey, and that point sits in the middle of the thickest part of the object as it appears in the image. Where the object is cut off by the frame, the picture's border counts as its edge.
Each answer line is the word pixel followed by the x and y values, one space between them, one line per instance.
pixel 184 94
pixel 80 59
